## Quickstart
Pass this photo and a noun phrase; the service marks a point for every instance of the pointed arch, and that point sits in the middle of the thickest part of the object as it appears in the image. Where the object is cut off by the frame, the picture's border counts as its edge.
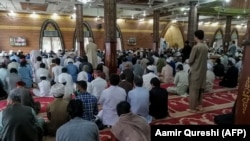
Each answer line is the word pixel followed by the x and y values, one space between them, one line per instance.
pixel 88 34
pixel 218 37
pixel 56 27
pixel 234 34
pixel 177 38
pixel 118 29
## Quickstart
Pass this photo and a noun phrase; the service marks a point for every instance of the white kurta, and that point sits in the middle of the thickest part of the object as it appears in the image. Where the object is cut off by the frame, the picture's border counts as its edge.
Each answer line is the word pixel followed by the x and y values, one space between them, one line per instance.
pixel 44 89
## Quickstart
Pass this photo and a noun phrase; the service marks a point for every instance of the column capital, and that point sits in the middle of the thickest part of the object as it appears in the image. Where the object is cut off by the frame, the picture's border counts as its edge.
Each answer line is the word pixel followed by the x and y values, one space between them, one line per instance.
pixel 193 2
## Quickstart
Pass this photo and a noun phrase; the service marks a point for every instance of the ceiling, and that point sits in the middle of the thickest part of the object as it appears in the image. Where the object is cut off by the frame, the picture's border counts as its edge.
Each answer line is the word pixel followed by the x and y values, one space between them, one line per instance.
pixel 209 10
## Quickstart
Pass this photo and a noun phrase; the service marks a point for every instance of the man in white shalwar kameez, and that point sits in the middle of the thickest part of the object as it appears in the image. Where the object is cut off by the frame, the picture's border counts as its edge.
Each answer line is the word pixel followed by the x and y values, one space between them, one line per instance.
pixel 180 81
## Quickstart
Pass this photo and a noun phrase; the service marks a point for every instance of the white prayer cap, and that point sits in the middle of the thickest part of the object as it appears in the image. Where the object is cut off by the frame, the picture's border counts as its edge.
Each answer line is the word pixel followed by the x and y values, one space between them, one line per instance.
pixel 186 61
pixel 178 53
pixel 151 68
pixel 70 60
pixel 209 66
pixel 57 90
pixel 232 60
pixel 62 80
pixel 43 75
pixel 168 60
pixel 90 40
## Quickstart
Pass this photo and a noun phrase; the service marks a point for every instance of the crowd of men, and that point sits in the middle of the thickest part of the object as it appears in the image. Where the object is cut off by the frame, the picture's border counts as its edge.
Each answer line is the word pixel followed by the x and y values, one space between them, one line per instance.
pixel 88 98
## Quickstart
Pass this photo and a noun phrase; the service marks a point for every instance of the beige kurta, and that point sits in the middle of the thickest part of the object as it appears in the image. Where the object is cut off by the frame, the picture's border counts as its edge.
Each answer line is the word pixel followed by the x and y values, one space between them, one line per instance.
pixel 197 74
pixel 91 53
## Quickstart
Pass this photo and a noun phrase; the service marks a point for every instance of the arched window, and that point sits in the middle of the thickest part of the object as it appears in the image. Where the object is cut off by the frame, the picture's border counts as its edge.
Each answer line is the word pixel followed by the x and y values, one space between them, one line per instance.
pixel 218 39
pixel 173 36
pixel 51 37
pixel 120 45
pixel 87 34
pixel 235 36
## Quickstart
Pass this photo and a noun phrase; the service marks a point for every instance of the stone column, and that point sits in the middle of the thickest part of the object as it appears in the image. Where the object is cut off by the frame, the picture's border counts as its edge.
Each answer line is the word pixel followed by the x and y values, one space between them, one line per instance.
pixel 247 34
pixel 227 37
pixel 192 22
pixel 156 30
pixel 110 35
pixel 79 29
pixel 242 113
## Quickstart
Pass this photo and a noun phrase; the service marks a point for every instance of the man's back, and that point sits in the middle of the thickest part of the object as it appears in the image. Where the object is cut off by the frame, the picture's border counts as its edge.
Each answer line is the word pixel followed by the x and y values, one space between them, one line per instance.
pixel 97 86
pixel 57 115
pixel 19 124
pixel 139 101
pixel 110 97
pixel 131 127
pixel 78 129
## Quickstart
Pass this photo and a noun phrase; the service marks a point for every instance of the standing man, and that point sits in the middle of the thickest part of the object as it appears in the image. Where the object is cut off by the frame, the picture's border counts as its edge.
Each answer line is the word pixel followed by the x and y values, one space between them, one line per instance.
pixel 91 52
pixel 197 73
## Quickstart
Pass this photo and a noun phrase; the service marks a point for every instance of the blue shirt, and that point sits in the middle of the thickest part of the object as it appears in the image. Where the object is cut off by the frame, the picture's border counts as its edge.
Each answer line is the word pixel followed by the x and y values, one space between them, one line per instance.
pixel 78 129
pixel 73 71
pixel 26 76
pixel 139 101
pixel 89 106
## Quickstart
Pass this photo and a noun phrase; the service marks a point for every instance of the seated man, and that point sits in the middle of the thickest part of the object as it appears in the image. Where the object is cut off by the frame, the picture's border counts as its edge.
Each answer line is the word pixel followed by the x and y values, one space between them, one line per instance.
pixel 26 96
pixel 218 68
pixel 19 121
pixel 210 78
pixel 180 81
pixel 158 97
pixel 231 77
pixel 89 101
pixel 57 110
pixel 77 129
pixel 110 97
pixel 43 89
pixel 130 127
pixel 138 98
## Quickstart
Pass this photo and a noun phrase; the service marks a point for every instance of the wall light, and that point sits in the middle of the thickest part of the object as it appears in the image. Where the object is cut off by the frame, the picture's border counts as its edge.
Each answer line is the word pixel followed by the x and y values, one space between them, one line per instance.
pixel 54 16
pixel 151 21
pixel 33 15
pixel 141 20
pixel 174 21
pixel 73 16
pixel 11 13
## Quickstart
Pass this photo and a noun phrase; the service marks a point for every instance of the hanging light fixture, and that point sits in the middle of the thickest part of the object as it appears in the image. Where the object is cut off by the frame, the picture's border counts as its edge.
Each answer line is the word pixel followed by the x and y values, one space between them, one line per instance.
pixel 85 1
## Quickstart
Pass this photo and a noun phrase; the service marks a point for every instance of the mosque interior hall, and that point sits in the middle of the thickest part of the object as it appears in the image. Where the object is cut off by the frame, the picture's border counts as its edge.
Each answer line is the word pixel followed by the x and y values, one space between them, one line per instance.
pixel 60 52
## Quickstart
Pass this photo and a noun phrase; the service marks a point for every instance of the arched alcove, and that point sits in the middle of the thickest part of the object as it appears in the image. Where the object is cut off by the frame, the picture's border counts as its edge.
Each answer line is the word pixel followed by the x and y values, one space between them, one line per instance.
pixel 87 32
pixel 235 36
pixel 218 38
pixel 173 36
pixel 50 37
pixel 120 43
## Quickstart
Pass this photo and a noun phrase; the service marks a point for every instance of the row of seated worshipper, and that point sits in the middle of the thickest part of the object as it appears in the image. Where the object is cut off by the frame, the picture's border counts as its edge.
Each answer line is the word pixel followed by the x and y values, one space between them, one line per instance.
pixel 20 123
pixel 153 103
pixel 230 79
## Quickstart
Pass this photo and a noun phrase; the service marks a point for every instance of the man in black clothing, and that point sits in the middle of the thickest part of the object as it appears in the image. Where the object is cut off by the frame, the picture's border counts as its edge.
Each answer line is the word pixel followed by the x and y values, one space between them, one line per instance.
pixel 158 98
pixel 186 51
pixel 231 77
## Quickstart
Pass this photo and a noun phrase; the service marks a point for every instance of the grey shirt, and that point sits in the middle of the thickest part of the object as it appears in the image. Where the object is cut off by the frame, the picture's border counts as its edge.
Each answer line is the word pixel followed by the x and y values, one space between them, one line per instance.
pixel 78 129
